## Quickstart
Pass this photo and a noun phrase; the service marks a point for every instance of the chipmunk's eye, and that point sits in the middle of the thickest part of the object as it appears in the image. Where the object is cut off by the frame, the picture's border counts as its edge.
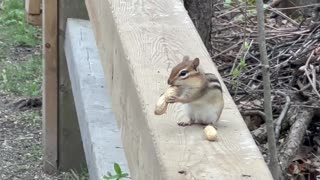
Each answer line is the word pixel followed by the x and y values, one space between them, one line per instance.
pixel 183 73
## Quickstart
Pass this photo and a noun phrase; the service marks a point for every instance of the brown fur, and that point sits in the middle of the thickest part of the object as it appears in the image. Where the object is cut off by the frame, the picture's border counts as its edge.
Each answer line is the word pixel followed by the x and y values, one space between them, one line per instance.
pixel 190 65
pixel 200 91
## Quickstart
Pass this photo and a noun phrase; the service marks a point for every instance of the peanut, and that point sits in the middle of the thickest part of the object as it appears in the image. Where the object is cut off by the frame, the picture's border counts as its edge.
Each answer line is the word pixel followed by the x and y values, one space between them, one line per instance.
pixel 162 104
pixel 211 133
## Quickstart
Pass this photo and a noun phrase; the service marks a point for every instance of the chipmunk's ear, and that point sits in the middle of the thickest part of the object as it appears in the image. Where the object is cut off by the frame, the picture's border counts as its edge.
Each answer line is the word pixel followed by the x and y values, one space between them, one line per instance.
pixel 185 58
pixel 196 63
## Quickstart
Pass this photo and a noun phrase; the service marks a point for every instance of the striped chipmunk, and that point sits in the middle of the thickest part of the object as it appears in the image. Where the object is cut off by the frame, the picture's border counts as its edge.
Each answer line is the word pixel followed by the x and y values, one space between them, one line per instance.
pixel 200 92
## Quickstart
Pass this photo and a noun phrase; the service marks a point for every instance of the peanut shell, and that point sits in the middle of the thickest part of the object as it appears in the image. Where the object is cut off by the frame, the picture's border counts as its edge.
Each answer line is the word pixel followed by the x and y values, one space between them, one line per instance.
pixel 162 104
pixel 211 133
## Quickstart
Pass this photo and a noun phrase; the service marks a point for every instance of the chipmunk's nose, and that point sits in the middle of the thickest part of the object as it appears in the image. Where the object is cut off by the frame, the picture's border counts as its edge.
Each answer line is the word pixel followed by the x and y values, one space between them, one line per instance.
pixel 170 82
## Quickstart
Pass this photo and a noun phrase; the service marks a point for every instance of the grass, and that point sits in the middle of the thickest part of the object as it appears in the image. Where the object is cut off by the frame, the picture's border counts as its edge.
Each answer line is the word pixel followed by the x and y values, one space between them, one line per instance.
pixel 73 175
pixel 35 153
pixel 22 78
pixel 15 30
pixel 32 117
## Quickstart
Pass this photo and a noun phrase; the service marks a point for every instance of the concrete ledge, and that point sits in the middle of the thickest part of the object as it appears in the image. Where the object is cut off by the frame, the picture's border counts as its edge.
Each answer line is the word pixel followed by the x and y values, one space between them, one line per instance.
pixel 99 131
pixel 139 42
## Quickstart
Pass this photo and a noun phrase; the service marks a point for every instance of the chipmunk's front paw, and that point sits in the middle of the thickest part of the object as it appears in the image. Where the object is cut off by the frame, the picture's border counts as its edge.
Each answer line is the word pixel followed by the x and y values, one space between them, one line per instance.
pixel 183 124
pixel 172 99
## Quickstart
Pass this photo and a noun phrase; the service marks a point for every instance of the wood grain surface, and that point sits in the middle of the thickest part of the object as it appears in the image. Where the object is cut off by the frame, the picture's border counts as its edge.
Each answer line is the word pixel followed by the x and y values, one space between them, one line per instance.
pixel 33 6
pixel 50 86
pixel 139 42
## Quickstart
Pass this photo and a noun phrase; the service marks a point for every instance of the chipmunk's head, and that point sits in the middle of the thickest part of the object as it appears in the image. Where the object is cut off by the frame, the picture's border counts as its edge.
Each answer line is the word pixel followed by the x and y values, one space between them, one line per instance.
pixel 185 73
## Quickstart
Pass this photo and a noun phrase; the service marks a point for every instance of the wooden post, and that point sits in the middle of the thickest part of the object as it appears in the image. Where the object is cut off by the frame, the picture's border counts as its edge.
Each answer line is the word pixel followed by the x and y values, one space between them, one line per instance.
pixel 33 6
pixel 33 12
pixel 71 153
pixel 50 85
pixel 63 148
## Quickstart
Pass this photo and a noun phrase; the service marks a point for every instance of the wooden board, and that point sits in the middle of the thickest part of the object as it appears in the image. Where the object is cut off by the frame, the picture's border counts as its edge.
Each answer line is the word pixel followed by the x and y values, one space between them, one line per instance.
pixel 71 153
pixel 33 7
pixel 35 20
pixel 139 42
pixel 50 86
pixel 99 131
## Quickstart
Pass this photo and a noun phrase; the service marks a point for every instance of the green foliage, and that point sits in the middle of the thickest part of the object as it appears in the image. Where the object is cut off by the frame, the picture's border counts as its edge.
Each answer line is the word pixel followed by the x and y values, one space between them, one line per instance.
pixel 227 3
pixel 33 117
pixel 242 64
pixel 245 46
pixel 18 77
pixel 251 2
pixel 13 23
pixel 23 78
pixel 236 72
pixel 34 153
pixel 119 174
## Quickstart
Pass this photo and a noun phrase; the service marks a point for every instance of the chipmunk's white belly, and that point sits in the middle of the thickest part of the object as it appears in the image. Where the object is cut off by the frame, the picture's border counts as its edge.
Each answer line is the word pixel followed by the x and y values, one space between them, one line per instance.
pixel 202 113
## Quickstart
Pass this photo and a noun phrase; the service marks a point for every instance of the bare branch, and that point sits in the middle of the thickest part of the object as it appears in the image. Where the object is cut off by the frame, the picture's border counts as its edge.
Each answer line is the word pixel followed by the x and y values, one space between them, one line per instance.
pixel 273 165
pixel 284 111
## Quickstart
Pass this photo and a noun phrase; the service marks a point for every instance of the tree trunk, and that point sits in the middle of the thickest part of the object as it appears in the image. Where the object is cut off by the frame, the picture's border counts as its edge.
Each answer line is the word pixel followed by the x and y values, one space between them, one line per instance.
pixel 201 13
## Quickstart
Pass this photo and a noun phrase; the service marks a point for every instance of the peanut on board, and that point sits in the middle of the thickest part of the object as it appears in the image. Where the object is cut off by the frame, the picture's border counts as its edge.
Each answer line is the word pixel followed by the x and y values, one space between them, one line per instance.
pixel 211 133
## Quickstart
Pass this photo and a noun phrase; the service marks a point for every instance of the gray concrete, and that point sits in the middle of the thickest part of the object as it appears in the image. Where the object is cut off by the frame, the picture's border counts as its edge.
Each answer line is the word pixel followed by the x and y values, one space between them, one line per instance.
pixel 100 134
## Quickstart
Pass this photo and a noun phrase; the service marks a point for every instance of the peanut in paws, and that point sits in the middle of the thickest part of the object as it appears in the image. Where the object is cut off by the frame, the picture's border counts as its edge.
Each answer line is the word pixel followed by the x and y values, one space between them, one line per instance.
pixel 163 101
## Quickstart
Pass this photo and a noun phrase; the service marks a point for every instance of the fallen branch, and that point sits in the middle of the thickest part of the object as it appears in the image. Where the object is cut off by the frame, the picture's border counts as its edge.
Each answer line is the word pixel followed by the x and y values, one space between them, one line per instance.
pixel 260 134
pixel 284 111
pixel 255 112
pixel 295 137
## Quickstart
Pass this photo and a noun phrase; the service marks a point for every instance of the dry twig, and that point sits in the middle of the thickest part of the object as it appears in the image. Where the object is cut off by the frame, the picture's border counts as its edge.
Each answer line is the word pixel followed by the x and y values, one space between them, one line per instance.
pixel 282 115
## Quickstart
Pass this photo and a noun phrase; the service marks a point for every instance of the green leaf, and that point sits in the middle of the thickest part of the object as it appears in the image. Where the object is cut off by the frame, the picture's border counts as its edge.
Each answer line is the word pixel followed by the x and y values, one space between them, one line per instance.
pixel 109 174
pixel 242 63
pixel 227 3
pixel 124 175
pixel 117 168
pixel 113 177
pixel 246 45
pixel 235 72
pixel 265 6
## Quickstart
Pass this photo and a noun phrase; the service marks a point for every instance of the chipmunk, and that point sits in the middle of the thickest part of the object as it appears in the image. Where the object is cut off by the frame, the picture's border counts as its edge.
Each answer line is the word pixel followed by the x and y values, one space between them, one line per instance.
pixel 200 92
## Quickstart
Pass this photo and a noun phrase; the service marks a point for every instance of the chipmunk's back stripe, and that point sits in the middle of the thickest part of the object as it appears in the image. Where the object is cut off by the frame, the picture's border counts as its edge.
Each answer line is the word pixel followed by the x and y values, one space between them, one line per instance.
pixel 214 85
pixel 214 80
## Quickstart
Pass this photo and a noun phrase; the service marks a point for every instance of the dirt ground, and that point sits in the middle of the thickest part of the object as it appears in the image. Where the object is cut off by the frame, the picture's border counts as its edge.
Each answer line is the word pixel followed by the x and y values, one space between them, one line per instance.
pixel 20 128
pixel 20 97
pixel 20 131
